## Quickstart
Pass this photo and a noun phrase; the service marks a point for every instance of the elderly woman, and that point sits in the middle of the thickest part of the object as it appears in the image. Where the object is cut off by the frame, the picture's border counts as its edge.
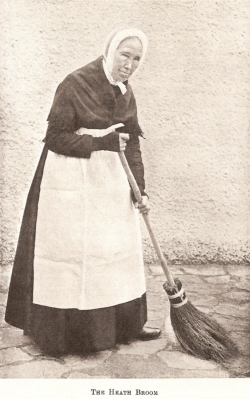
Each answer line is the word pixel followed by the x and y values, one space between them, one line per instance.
pixel 78 279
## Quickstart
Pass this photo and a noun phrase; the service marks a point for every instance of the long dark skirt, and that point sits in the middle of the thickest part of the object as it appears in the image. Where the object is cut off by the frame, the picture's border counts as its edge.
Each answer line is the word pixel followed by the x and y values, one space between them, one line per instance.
pixel 59 331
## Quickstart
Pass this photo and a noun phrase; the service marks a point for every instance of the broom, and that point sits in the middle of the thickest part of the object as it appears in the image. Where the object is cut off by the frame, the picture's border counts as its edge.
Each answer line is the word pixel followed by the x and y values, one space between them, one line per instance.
pixel 198 334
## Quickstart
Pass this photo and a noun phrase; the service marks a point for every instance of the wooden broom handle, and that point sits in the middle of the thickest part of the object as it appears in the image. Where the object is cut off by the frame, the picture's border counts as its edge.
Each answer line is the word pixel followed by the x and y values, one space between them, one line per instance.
pixel 138 197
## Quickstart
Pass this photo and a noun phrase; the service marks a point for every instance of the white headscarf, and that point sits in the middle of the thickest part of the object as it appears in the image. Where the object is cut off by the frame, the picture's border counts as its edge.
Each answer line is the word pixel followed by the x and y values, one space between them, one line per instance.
pixel 111 45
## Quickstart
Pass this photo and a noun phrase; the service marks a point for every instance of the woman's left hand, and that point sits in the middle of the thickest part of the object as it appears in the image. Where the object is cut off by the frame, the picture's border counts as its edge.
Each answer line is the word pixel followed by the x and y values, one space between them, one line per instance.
pixel 144 205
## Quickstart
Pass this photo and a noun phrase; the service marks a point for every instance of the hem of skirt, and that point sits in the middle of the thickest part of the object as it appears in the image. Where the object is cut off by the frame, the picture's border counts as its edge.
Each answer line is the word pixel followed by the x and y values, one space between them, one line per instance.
pixel 61 331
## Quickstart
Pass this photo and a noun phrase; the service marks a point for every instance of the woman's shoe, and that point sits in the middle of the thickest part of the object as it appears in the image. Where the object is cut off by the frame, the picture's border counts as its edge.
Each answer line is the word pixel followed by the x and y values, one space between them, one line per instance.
pixel 148 333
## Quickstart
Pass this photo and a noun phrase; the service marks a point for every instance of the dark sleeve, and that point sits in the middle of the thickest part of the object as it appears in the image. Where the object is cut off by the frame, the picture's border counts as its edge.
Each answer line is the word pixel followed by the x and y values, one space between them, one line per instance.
pixel 134 158
pixel 133 151
pixel 62 121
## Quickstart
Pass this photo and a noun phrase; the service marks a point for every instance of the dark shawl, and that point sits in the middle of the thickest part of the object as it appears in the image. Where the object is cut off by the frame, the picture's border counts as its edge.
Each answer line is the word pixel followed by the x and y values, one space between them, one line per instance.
pixel 86 99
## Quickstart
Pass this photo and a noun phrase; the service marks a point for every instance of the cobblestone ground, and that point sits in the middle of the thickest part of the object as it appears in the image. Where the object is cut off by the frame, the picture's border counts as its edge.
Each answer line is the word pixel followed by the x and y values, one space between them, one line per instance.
pixel 221 291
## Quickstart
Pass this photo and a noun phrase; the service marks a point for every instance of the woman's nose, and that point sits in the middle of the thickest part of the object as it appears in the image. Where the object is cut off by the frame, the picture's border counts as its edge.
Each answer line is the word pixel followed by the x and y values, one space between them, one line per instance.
pixel 128 64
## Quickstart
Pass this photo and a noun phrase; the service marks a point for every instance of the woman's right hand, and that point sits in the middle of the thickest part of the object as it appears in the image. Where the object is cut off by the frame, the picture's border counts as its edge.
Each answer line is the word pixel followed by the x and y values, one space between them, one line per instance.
pixel 111 141
pixel 123 138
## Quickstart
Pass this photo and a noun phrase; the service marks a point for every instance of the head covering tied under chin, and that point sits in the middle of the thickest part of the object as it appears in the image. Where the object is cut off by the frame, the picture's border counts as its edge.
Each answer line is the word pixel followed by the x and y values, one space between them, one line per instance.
pixel 111 45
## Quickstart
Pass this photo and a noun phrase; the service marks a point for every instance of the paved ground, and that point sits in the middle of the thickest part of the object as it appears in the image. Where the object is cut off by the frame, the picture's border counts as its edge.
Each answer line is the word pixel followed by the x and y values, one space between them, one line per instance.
pixel 221 291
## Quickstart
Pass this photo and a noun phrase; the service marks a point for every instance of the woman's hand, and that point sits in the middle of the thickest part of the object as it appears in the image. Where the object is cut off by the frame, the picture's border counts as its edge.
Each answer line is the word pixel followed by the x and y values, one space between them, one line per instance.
pixel 111 141
pixel 123 137
pixel 144 205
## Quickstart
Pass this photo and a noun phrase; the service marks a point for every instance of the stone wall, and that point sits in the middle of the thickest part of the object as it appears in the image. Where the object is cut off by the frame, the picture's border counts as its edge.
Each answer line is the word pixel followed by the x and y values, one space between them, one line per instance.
pixel 193 102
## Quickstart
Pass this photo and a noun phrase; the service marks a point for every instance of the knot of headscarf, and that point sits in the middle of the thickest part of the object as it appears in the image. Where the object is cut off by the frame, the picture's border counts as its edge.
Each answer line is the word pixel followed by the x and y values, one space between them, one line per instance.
pixel 111 80
pixel 111 45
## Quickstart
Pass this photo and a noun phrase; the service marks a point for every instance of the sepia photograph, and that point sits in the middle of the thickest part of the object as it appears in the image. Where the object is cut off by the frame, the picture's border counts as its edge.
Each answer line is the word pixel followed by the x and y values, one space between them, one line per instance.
pixel 125 199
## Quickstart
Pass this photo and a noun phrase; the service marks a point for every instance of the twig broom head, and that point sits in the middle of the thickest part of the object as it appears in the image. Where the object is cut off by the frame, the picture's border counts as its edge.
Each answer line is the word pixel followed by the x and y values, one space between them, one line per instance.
pixel 198 334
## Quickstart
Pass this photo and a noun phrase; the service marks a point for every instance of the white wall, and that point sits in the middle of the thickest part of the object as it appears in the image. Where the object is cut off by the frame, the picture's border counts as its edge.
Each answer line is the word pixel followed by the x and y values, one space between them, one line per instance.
pixel 193 100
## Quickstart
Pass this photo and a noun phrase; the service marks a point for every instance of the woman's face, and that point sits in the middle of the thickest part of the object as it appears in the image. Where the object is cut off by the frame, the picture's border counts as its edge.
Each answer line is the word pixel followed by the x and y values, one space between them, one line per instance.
pixel 126 59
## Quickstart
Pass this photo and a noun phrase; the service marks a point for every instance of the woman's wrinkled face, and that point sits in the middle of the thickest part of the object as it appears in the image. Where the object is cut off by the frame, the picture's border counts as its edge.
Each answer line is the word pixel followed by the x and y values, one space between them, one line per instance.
pixel 126 59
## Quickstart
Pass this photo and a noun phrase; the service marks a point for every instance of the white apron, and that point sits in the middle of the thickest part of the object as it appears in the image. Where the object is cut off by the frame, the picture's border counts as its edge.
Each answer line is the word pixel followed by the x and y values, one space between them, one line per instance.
pixel 88 251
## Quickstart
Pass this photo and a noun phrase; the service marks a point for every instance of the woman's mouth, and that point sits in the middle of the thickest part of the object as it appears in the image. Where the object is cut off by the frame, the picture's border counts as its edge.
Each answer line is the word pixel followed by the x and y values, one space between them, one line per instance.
pixel 124 73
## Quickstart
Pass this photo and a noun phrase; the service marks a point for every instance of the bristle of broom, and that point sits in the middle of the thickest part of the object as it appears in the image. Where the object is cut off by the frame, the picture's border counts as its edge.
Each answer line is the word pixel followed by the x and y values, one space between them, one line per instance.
pixel 199 334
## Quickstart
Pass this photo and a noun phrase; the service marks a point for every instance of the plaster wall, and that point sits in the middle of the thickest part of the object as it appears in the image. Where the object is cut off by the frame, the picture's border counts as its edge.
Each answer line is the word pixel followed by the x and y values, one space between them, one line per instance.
pixel 193 97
